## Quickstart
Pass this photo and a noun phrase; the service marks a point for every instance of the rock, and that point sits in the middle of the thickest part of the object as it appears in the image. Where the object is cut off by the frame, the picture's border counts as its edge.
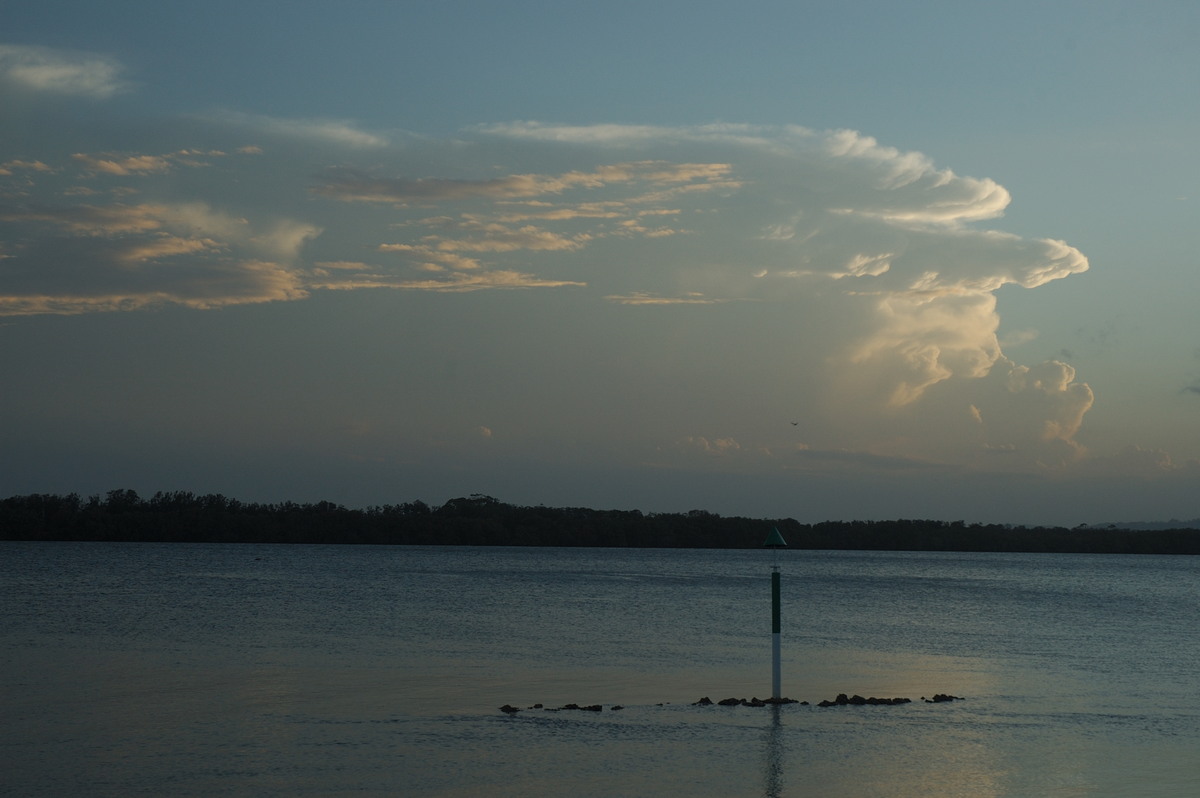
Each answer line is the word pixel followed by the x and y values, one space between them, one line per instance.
pixel 616 707
pixel 856 700
pixel 509 709
pixel 940 698
pixel 747 702
pixel 593 708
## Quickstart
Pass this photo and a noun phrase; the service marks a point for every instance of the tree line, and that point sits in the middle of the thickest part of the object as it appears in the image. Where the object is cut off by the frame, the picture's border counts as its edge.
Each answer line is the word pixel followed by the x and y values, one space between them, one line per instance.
pixel 478 520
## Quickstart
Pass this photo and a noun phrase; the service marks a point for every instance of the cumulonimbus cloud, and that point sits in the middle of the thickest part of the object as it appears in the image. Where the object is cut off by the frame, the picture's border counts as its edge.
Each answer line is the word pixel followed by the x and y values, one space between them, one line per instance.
pixel 885 249
pixel 887 264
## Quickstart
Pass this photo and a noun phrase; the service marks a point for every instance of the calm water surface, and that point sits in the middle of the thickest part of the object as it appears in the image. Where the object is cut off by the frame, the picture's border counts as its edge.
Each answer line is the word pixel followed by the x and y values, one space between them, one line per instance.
pixel 205 670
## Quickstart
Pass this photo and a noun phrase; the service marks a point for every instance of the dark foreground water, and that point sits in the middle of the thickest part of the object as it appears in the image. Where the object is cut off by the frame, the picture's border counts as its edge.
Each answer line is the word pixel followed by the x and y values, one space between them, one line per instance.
pixel 245 670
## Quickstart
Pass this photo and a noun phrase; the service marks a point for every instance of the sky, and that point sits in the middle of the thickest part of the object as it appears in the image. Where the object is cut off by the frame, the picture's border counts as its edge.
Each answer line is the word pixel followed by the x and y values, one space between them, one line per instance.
pixel 818 260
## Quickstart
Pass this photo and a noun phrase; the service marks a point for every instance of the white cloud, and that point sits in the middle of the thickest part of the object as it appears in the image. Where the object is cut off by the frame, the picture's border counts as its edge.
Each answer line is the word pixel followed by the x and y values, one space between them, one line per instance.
pixel 330 131
pixel 351 185
pixel 69 72
pixel 124 165
pixel 11 167
pixel 164 247
pixel 498 238
pixel 195 284
pixel 642 298
pixel 285 238
pixel 620 135
pixel 712 447
pixel 103 258
pixel 432 259
pixel 455 282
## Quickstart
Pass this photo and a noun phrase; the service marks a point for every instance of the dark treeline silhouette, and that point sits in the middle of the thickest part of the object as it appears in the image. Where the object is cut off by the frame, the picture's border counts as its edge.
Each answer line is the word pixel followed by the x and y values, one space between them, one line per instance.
pixel 480 520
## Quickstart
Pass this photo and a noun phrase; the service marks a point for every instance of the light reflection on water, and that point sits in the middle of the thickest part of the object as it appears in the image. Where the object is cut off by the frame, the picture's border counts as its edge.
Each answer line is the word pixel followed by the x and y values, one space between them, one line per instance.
pixel 249 670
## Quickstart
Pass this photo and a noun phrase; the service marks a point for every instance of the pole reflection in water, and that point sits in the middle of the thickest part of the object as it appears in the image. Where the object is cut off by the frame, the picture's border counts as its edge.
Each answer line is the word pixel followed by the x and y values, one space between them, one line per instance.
pixel 773 761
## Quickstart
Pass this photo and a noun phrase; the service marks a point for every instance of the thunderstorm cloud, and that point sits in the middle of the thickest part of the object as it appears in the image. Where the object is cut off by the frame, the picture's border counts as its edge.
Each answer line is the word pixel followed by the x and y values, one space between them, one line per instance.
pixel 878 269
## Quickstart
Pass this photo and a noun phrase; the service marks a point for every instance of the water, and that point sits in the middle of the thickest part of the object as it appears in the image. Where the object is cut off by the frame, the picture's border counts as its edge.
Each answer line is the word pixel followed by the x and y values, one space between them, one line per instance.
pixel 245 670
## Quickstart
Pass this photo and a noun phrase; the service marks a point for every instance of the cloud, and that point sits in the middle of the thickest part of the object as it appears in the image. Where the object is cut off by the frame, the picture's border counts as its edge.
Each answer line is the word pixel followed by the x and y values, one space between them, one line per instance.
pixel 284 239
pixel 706 446
pixel 1140 463
pixel 11 167
pixel 431 259
pixel 103 258
pixel 351 185
pixel 89 220
pixel 64 72
pixel 857 283
pixel 98 280
pixel 1039 409
pixel 124 166
pixel 164 247
pixel 641 298
pixel 327 131
pixel 457 282
pixel 281 239
pixel 498 238
pixel 878 253
pixel 619 135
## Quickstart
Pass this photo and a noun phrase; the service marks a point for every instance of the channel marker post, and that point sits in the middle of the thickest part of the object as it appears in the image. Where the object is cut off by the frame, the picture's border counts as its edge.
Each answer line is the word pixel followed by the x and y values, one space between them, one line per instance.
pixel 775 542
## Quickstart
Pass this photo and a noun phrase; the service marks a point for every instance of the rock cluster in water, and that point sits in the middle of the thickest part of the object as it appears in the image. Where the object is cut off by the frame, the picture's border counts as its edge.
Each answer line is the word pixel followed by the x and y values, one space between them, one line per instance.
pixel 841 701
pixel 939 698
pixel 742 702
pixel 509 709
pixel 856 700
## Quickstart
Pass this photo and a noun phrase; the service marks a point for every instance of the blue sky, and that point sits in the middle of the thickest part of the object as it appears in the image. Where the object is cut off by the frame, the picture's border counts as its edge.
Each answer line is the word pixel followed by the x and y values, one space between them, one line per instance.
pixel 818 260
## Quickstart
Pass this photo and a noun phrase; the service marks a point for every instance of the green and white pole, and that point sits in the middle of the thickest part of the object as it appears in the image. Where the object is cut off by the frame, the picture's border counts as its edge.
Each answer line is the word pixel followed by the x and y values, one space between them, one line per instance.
pixel 775 542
